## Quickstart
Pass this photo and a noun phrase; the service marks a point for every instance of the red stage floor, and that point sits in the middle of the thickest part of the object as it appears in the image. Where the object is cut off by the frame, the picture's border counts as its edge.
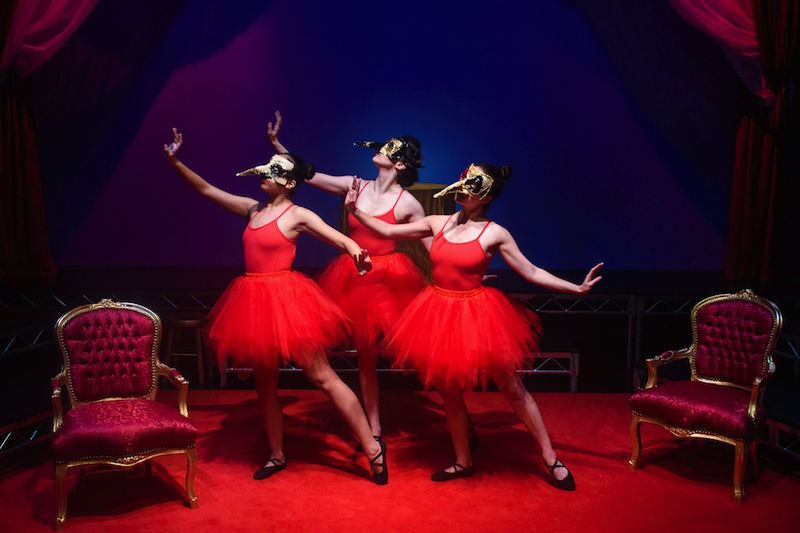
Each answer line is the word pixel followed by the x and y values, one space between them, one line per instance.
pixel 327 486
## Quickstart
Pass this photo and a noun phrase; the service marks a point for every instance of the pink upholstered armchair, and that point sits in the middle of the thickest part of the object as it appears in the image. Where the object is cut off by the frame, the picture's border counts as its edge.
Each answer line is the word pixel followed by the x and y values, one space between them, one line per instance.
pixel 111 370
pixel 730 357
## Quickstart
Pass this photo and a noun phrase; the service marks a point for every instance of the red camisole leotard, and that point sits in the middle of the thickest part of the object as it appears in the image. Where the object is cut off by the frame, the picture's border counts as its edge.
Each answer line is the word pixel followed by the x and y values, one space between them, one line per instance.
pixel 457 329
pixel 373 302
pixel 272 314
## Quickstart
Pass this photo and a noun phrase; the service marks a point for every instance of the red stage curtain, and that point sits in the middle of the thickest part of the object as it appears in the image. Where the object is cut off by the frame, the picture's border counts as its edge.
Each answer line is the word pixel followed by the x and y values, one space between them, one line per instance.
pixel 34 30
pixel 760 39
pixel 763 218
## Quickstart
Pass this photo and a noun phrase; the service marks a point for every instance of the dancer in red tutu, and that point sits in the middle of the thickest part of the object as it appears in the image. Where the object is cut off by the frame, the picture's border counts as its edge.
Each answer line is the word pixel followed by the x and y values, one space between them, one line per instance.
pixel 272 314
pixel 374 302
pixel 458 332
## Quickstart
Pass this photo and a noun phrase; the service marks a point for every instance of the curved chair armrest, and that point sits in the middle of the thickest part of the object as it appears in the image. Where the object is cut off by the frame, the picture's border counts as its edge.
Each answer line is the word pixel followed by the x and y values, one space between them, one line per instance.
pixel 57 383
pixel 757 394
pixel 666 357
pixel 179 382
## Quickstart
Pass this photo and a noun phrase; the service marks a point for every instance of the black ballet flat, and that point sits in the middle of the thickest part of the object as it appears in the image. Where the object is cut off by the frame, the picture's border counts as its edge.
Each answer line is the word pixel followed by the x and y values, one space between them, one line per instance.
pixel 380 477
pixel 269 469
pixel 459 471
pixel 568 483
pixel 360 448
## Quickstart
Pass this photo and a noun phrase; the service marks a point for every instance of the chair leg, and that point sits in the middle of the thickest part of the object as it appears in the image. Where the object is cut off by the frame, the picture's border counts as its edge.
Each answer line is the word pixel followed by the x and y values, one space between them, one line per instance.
pixel 61 495
pixel 198 339
pixel 191 470
pixel 738 470
pixel 636 441
pixel 754 458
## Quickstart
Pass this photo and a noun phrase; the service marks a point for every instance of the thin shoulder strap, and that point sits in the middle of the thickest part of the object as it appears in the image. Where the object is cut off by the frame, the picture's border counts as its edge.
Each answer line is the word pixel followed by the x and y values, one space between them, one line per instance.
pixel 446 222
pixel 362 189
pixel 398 199
pixel 484 229
pixel 284 211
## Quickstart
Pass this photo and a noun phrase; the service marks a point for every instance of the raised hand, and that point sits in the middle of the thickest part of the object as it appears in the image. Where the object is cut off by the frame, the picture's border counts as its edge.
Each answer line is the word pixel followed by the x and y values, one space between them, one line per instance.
pixel 272 132
pixel 590 279
pixel 352 194
pixel 171 149
pixel 363 262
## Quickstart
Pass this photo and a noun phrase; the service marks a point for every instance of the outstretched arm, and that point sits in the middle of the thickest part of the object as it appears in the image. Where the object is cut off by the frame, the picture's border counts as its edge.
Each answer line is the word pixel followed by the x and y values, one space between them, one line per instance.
pixel 240 205
pixel 311 223
pixel 326 182
pixel 418 213
pixel 419 229
pixel 531 273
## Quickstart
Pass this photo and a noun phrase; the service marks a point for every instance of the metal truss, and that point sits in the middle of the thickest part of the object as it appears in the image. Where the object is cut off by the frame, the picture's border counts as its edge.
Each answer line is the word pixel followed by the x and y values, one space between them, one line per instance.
pixel 44 307
pixel 346 361
pixel 26 339
pixel 24 433
pixel 784 437
pixel 574 304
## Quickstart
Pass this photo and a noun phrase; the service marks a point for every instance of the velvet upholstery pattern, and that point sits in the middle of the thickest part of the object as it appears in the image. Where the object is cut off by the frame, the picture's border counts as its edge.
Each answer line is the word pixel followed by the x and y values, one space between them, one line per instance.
pixel 732 338
pixel 699 407
pixel 110 354
pixel 120 428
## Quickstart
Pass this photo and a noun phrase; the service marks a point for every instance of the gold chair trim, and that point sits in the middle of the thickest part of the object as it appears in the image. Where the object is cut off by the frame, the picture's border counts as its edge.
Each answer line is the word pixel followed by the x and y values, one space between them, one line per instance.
pixel 686 432
pixel 126 460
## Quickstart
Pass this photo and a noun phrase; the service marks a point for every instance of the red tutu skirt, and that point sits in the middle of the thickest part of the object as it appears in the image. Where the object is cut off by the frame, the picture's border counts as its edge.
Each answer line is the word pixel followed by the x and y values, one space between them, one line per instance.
pixel 455 337
pixel 273 318
pixel 373 302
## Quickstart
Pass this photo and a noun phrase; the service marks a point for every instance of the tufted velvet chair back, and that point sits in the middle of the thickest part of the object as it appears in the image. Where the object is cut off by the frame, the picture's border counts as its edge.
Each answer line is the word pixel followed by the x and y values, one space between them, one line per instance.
pixel 110 351
pixel 734 335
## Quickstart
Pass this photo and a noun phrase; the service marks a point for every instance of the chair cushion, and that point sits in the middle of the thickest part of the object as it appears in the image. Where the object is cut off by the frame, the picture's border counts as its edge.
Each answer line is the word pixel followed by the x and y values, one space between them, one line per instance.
pixel 119 428
pixel 698 406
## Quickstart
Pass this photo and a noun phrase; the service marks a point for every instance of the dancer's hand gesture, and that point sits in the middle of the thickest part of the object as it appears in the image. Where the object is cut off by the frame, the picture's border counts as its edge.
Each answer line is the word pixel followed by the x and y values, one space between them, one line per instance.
pixel 272 133
pixel 171 149
pixel 363 262
pixel 590 279
pixel 352 194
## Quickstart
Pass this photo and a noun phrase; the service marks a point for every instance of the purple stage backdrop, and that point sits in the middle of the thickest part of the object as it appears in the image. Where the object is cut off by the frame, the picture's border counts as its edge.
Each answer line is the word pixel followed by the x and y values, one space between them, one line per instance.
pixel 617 117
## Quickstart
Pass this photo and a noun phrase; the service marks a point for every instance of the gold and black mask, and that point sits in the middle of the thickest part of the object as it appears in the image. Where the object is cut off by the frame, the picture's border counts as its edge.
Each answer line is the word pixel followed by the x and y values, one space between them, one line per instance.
pixel 473 182
pixel 278 169
pixel 394 148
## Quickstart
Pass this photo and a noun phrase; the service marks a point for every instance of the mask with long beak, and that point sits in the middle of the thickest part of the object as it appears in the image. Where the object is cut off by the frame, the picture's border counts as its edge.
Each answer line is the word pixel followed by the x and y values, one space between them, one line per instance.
pixel 392 148
pixel 277 169
pixel 473 182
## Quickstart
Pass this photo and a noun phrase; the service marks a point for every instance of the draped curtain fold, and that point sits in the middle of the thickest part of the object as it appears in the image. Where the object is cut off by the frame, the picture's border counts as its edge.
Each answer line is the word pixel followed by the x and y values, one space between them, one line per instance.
pixel 34 30
pixel 760 39
pixel 730 24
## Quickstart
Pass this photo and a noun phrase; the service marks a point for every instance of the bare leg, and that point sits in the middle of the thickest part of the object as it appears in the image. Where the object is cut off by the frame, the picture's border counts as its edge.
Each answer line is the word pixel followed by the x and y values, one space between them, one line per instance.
pixel 368 381
pixel 325 379
pixel 526 409
pixel 267 389
pixel 457 423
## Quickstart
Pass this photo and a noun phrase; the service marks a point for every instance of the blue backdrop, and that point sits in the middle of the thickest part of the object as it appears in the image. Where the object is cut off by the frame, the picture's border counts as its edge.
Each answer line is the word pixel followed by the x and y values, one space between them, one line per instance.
pixel 618 120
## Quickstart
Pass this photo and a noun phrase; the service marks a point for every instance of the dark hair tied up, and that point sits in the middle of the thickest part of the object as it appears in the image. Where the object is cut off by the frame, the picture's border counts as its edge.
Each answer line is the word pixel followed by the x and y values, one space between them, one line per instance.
pixel 411 155
pixel 500 175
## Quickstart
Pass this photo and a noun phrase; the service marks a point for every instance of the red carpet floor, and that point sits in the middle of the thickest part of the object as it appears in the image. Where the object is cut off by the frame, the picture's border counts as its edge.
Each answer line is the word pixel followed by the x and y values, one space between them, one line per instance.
pixel 327 485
